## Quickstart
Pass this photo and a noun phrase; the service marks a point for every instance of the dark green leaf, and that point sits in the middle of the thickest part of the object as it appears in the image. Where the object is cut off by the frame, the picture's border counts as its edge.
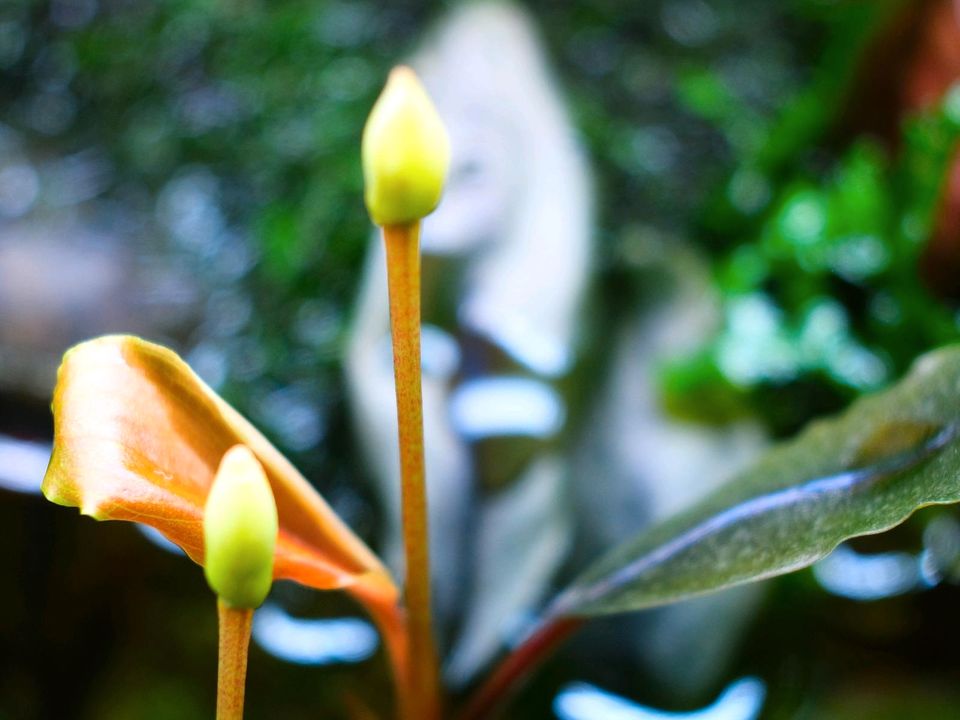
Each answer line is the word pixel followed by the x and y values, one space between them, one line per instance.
pixel 857 474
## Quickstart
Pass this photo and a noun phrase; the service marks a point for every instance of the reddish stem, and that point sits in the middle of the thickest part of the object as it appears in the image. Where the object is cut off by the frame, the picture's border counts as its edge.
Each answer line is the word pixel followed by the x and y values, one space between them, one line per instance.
pixel 403 276
pixel 235 626
pixel 514 670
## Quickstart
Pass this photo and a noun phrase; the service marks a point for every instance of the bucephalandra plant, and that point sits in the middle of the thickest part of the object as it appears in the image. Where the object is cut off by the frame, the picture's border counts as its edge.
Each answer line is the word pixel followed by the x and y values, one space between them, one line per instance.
pixel 139 437
pixel 405 159
pixel 239 537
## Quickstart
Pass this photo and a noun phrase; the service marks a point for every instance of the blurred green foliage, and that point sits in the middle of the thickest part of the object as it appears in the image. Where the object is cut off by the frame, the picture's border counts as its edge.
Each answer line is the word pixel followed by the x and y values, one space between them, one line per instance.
pixel 701 126
pixel 819 248
pixel 232 130
pixel 828 292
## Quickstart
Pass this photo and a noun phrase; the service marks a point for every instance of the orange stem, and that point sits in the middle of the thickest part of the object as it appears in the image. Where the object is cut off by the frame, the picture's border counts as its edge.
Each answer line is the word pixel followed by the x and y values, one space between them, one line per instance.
pixel 235 626
pixel 403 275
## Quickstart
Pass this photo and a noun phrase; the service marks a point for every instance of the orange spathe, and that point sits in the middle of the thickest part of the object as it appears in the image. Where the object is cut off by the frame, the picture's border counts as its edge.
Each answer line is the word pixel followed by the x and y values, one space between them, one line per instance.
pixel 139 436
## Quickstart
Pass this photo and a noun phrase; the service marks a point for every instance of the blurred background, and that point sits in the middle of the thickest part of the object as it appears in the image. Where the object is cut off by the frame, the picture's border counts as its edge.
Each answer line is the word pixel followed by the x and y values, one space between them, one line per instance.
pixel 675 232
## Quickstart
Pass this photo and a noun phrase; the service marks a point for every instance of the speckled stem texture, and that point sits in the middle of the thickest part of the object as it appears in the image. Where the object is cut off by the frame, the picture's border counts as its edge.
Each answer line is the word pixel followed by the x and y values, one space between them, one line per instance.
pixel 403 272
pixel 232 665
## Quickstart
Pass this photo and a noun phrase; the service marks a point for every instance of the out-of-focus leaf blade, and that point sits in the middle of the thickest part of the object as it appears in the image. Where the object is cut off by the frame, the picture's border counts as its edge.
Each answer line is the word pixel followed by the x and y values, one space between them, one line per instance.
pixel 138 436
pixel 862 472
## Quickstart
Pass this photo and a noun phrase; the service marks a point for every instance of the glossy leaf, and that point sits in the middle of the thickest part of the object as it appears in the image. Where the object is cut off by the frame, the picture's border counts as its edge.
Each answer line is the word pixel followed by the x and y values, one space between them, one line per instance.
pixel 862 472
pixel 138 436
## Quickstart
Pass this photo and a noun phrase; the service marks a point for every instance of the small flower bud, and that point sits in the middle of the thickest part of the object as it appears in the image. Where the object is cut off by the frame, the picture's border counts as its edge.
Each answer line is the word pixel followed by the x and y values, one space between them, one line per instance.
pixel 240 531
pixel 405 151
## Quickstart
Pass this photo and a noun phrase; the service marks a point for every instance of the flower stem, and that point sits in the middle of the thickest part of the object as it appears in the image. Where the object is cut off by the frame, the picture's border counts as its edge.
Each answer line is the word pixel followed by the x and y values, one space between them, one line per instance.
pixel 403 274
pixel 232 665
pixel 384 609
pixel 510 675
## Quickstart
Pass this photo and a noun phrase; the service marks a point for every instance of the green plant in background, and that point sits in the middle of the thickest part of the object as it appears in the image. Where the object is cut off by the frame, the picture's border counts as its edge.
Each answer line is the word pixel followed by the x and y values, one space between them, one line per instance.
pixel 140 437
pixel 830 287
pixel 823 285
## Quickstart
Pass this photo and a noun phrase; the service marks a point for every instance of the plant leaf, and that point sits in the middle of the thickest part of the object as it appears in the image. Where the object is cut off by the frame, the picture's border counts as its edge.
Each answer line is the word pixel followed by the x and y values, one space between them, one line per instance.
pixel 138 436
pixel 860 473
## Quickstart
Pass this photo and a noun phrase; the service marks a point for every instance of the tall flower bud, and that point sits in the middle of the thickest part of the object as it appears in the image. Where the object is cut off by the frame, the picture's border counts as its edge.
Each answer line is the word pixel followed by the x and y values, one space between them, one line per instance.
pixel 406 152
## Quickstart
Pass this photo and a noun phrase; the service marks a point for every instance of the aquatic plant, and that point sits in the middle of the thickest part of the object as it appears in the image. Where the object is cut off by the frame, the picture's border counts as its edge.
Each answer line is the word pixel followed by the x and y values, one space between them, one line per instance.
pixel 139 437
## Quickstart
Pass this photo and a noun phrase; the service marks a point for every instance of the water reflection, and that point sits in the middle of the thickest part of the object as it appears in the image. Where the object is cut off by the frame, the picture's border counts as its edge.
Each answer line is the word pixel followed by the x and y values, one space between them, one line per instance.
pixel 940 559
pixel 313 641
pixel 506 406
pixel 158 539
pixel 742 700
pixel 22 464
pixel 850 574
pixel 858 576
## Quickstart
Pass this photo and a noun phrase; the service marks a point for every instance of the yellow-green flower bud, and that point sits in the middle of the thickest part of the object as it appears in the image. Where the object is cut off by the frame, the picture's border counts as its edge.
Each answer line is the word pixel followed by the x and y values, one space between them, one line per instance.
pixel 406 152
pixel 240 531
